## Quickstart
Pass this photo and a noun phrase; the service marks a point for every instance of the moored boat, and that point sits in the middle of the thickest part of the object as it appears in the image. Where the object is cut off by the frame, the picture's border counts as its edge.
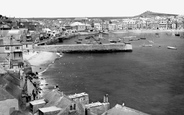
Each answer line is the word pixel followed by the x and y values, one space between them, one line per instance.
pixel 171 47
pixel 147 45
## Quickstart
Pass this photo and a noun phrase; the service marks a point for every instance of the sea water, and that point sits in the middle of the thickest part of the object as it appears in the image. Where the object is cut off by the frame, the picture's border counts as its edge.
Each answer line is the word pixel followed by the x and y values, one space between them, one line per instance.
pixel 149 79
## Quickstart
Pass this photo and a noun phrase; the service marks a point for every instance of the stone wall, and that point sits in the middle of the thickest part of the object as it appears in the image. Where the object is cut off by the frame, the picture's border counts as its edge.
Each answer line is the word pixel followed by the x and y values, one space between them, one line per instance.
pixel 84 47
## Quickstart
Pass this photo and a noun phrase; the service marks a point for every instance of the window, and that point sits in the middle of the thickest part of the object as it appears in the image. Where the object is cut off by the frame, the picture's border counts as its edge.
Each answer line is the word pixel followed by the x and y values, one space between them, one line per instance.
pixel 20 54
pixel 7 48
pixel 17 47
pixel 26 46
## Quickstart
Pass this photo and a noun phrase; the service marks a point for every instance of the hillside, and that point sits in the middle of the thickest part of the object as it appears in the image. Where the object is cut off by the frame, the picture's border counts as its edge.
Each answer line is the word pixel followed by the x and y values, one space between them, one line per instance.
pixel 145 14
pixel 153 14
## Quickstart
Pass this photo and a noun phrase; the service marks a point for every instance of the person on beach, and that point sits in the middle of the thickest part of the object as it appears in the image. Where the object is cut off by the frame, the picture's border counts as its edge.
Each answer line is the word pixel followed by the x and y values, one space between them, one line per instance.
pixel 34 94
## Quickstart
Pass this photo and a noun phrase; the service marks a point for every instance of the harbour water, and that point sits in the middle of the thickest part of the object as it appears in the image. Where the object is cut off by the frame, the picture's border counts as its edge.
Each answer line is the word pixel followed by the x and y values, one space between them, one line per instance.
pixel 149 79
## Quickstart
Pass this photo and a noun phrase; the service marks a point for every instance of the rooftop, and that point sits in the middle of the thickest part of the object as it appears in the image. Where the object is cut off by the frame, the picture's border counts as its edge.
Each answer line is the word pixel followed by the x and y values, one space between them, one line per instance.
pixel 94 104
pixel 76 24
pixel 36 102
pixel 4 94
pixel 78 95
pixel 123 110
pixel 2 71
pixel 49 109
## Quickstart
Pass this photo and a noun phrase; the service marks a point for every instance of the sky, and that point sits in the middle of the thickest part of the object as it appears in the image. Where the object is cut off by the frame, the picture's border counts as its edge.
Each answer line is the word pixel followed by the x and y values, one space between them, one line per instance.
pixel 87 8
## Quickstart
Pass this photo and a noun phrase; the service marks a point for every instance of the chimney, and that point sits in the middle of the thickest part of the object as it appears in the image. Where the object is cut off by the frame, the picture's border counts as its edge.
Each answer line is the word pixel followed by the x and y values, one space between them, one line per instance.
pixel 105 98
pixel 86 112
pixel 70 107
pixel 74 106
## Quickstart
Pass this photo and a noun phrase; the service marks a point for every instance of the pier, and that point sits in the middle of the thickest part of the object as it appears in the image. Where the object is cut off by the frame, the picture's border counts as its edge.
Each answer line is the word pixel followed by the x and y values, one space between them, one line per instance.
pixel 67 48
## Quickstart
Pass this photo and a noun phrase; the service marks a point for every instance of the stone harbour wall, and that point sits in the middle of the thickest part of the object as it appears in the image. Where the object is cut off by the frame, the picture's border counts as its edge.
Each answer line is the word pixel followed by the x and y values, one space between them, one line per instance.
pixel 84 47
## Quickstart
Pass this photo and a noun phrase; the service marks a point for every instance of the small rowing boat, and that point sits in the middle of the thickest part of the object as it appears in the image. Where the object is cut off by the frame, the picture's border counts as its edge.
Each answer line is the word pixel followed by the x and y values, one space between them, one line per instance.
pixel 171 47
pixel 147 45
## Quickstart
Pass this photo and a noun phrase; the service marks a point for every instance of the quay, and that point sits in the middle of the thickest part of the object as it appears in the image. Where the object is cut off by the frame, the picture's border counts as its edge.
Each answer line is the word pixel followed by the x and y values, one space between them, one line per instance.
pixel 69 48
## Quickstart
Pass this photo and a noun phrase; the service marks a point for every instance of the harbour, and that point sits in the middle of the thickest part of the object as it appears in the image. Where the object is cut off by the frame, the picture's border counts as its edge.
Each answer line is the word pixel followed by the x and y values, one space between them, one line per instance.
pixel 92 65
pixel 146 79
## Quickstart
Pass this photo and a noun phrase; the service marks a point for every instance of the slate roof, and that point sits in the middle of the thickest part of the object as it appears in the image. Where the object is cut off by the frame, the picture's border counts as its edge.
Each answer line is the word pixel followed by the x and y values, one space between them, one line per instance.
pixel 4 94
pixel 123 110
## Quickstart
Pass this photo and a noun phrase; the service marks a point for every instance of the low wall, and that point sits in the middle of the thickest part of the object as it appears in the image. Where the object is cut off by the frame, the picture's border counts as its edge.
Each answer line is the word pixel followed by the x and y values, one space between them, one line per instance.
pixel 84 47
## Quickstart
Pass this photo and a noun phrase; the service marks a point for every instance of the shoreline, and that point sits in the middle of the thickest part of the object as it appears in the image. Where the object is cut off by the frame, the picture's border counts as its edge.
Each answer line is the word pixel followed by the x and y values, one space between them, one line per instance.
pixel 41 61
pixel 146 31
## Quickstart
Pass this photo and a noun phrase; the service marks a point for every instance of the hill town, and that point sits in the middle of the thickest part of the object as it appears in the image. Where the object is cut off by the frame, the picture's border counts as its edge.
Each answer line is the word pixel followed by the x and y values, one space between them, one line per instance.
pixel 29 45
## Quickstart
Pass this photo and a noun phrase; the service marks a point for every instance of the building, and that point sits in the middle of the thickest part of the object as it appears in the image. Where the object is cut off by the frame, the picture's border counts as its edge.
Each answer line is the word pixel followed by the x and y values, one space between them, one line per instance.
pixel 112 27
pixel 78 26
pixel 132 24
pixel 16 33
pixel 8 103
pixel 180 25
pixel 27 46
pixel 97 108
pixel 105 26
pixel 119 25
pixel 5 27
pixel 52 110
pixel 174 25
pixel 97 26
pixel 88 26
pixel 58 101
pixel 14 51
pixel 123 110
pixel 154 25
pixel 82 98
pixel 163 25
pixel 36 104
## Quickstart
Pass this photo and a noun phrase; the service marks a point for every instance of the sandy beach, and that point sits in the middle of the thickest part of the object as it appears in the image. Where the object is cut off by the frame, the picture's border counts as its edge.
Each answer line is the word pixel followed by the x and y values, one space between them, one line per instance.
pixel 40 60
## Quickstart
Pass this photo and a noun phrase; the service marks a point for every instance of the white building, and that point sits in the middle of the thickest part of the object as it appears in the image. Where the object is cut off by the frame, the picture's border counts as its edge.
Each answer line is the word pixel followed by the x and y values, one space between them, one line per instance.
pixel 78 26
pixel 98 26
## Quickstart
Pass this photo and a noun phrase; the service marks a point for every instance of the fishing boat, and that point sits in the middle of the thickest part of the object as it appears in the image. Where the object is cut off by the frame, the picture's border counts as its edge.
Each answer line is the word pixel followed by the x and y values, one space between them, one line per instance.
pixel 171 47
pixel 177 34
pixel 156 33
pixel 78 42
pixel 143 38
pixel 112 41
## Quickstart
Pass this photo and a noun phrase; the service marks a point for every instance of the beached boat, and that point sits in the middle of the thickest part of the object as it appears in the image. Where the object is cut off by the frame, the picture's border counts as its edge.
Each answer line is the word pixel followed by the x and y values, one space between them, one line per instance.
pixel 156 33
pixel 142 38
pixel 171 47
pixel 78 42
pixel 177 34
pixel 112 41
